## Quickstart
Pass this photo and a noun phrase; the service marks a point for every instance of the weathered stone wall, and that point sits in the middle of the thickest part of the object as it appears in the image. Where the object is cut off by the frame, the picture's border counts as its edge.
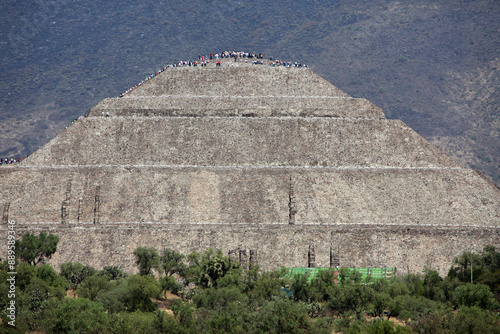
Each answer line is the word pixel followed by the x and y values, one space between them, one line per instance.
pixel 238 141
pixel 178 195
pixel 408 247
pixel 240 80
pixel 249 106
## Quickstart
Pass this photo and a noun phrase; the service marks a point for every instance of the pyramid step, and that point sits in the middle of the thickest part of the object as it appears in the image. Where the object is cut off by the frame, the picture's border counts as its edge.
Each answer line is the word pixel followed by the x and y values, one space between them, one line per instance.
pixel 239 141
pixel 199 106
pixel 242 80
pixel 167 195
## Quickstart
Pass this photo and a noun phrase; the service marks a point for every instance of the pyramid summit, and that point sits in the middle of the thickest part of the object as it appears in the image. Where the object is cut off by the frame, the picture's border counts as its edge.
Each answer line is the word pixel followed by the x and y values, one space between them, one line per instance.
pixel 255 157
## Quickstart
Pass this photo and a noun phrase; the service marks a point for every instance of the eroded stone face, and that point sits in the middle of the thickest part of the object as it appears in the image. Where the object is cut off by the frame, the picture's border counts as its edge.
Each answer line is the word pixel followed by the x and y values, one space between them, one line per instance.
pixel 269 164
pixel 408 248
pixel 248 195
pixel 240 141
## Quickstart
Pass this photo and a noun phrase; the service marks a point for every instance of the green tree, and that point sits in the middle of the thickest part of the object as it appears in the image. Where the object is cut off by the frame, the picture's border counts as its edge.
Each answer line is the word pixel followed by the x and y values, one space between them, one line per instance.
pixel 134 322
pixel 92 285
pixel 47 273
pixel 490 258
pixel 491 279
pixel 169 283
pixel 139 291
pixel 25 273
pixel 433 285
pixel 473 320
pixel 38 298
pixel 414 283
pixel 320 284
pixel 462 266
pixel 193 271
pixel 380 285
pixel 113 273
pixel 478 295
pixel 397 288
pixel 300 287
pixel 114 298
pixel 380 303
pixel 232 277
pixel 447 289
pixel 214 267
pixel 432 323
pixel 147 259
pixel 35 249
pixel 410 307
pixel 166 324
pixel 172 262
pixel 283 315
pixel 220 300
pixel 355 276
pixel 185 313
pixel 207 268
pixel 386 327
pixel 343 276
pixel 263 287
pixel 486 268
pixel 350 298
pixel 491 269
pixel 75 273
pixel 76 316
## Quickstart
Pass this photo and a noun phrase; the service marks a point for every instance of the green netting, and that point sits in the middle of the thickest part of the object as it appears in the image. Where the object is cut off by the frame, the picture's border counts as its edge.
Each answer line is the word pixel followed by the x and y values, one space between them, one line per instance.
pixel 373 273
pixel 312 272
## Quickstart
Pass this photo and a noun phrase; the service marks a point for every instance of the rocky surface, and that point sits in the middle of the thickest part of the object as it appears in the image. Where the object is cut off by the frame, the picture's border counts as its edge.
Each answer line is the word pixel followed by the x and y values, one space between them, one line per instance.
pixel 163 170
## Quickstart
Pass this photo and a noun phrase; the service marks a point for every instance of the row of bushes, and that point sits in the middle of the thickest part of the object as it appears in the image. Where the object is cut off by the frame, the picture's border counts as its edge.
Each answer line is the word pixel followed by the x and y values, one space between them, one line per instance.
pixel 217 296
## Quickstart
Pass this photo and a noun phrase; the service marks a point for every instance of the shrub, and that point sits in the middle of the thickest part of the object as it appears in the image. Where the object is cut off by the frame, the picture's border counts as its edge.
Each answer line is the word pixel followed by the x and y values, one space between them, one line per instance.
pixel 478 295
pixel 147 259
pixel 35 249
pixel 76 316
pixel 75 273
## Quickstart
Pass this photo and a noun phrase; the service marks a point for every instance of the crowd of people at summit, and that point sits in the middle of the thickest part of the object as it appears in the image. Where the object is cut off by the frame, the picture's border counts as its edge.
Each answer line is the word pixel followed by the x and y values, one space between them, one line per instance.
pixel 10 161
pixel 235 56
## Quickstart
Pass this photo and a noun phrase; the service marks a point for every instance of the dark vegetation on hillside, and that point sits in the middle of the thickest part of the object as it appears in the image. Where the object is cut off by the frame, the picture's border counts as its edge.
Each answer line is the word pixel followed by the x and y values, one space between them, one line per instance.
pixel 432 64
pixel 206 293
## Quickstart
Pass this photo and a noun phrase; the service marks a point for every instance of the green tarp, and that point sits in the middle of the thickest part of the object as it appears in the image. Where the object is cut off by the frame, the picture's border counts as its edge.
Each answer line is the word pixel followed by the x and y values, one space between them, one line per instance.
pixel 373 273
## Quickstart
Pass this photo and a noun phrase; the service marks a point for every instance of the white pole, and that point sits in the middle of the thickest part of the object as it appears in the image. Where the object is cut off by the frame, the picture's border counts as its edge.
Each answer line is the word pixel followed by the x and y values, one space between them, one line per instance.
pixel 471 280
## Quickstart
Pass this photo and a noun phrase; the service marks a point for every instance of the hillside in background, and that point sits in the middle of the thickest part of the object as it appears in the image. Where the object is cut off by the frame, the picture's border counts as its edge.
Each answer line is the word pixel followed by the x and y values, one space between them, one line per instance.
pixel 434 65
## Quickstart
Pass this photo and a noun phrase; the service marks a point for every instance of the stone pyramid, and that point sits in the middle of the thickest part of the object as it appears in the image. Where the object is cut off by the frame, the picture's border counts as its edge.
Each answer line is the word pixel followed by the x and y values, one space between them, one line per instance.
pixel 267 163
